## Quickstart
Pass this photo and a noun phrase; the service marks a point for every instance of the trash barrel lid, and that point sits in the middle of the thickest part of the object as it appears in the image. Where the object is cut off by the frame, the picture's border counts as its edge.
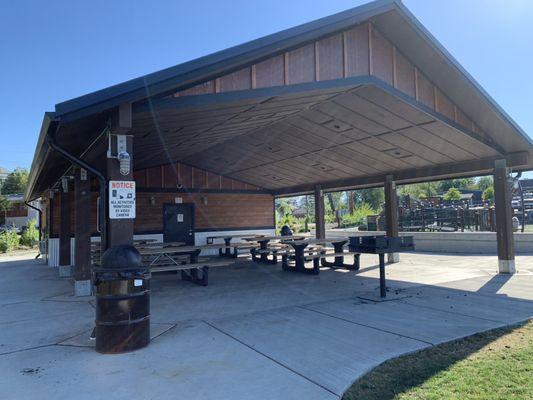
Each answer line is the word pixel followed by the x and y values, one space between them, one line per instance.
pixel 121 256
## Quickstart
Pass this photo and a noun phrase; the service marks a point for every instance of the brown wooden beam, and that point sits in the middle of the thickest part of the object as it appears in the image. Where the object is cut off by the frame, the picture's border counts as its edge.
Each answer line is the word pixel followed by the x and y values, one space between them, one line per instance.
pixel 517 161
pixel 320 224
pixel 504 215
pixel 122 119
pixel 391 213
pixel 82 232
pixel 120 231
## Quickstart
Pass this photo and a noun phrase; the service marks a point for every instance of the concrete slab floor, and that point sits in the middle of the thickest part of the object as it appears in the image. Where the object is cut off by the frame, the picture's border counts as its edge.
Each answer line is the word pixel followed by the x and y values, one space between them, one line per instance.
pixel 254 332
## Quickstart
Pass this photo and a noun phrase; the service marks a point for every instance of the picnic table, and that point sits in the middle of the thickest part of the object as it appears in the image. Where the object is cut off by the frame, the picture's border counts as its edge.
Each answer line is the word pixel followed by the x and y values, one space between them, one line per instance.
pixel 319 255
pixel 169 253
pixel 226 250
pixel 264 251
pixel 167 259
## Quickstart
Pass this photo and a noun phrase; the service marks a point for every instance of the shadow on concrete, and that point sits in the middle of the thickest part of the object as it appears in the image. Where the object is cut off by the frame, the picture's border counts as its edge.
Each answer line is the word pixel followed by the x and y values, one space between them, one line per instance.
pixel 495 283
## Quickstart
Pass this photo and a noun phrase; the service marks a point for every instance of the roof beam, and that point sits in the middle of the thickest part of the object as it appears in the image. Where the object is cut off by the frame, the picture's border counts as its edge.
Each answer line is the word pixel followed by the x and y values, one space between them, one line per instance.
pixel 519 161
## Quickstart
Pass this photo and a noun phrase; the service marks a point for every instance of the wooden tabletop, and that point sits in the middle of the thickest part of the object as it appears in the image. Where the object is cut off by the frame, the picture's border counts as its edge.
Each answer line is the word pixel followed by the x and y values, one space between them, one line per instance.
pixel 231 236
pixel 260 238
pixel 319 241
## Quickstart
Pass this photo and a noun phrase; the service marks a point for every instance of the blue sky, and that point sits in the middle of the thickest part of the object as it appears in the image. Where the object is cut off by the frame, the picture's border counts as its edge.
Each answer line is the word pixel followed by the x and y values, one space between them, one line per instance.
pixel 52 51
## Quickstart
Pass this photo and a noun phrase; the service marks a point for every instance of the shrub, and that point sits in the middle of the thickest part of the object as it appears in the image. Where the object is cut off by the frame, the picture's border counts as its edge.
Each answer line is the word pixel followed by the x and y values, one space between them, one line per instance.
pixel 452 194
pixel 8 240
pixel 488 194
pixel 30 236
pixel 358 217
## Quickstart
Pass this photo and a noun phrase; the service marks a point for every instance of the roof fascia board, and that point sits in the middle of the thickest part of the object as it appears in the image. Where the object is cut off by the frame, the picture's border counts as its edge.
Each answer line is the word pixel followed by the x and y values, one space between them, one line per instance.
pixel 40 155
pixel 455 65
pixel 196 71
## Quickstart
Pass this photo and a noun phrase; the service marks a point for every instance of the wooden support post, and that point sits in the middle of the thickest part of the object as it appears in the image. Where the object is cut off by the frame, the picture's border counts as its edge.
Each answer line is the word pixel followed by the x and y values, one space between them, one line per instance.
pixel 120 231
pixel 504 215
pixel 391 214
pixel 320 224
pixel 82 232
pixel 64 233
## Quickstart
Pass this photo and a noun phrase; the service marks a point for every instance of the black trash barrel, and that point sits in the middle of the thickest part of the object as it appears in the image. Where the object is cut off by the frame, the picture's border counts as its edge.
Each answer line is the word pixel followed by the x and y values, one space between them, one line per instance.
pixel 122 301
pixel 286 230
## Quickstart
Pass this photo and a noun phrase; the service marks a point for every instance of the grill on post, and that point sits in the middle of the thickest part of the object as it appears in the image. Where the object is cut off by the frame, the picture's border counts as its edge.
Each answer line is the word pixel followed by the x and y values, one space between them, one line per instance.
pixel 381 245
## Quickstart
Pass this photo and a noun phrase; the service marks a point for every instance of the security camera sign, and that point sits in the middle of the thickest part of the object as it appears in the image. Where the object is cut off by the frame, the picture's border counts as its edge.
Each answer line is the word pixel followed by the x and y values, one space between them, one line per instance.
pixel 121 199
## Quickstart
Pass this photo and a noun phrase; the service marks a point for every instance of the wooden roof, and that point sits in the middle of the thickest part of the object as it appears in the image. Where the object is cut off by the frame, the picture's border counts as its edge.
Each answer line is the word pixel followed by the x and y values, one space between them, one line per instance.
pixel 314 126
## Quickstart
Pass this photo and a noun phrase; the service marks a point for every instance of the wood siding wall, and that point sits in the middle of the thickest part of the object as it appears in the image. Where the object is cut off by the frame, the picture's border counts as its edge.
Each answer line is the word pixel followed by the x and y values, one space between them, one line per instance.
pixel 220 202
pixel 362 50
pixel 215 211
pixel 179 175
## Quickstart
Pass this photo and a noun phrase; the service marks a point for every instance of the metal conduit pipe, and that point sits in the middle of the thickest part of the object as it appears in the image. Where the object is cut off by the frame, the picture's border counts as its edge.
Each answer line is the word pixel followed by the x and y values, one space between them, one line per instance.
pixel 103 189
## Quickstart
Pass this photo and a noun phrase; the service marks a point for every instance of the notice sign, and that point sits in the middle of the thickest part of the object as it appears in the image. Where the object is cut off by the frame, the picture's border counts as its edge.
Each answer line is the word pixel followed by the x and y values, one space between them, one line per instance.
pixel 121 199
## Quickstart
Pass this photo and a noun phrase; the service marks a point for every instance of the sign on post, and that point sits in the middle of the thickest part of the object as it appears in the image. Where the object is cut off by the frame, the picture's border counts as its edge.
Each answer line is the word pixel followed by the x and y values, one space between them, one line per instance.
pixel 121 199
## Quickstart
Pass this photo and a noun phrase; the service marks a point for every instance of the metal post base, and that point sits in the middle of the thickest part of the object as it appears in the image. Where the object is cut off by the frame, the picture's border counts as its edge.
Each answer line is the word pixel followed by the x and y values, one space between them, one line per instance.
pixel 393 258
pixel 506 267
pixel 83 288
pixel 65 271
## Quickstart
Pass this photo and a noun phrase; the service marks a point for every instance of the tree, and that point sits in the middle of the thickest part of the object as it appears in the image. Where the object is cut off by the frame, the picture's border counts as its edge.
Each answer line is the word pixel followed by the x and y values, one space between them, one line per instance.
pixel 375 197
pixel 488 194
pixel 4 204
pixel 484 182
pixel 16 182
pixel 462 183
pixel 453 194
pixel 284 207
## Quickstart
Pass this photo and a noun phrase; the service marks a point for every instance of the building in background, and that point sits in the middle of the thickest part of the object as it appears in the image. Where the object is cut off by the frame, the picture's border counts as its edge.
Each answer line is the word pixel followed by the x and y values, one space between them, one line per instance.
pixel 19 214
pixel 3 175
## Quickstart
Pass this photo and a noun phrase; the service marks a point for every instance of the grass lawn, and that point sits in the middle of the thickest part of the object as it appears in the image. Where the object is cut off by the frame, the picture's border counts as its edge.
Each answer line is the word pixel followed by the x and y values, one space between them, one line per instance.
pixel 492 365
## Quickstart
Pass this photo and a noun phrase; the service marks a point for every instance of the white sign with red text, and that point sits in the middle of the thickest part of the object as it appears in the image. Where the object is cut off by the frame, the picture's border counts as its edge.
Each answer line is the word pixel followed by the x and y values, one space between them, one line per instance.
pixel 121 199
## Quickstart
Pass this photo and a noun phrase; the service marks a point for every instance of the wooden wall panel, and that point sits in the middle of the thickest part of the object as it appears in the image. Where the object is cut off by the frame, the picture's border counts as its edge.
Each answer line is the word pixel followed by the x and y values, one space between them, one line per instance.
pixel 225 183
pixel 269 73
pixel 199 178
pixel 381 57
pixel 404 74
pixel 170 173
pixel 356 56
pixel 153 177
pixel 425 91
pixel 443 105
pixel 330 58
pixel 202 88
pixel 300 65
pixel 212 210
pixel 185 175
pixel 140 177
pixel 213 181
pixel 238 80
pixel 462 119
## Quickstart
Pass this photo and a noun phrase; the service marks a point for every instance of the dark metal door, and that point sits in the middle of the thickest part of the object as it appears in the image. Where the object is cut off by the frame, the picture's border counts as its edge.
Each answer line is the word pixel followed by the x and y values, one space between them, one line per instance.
pixel 178 223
